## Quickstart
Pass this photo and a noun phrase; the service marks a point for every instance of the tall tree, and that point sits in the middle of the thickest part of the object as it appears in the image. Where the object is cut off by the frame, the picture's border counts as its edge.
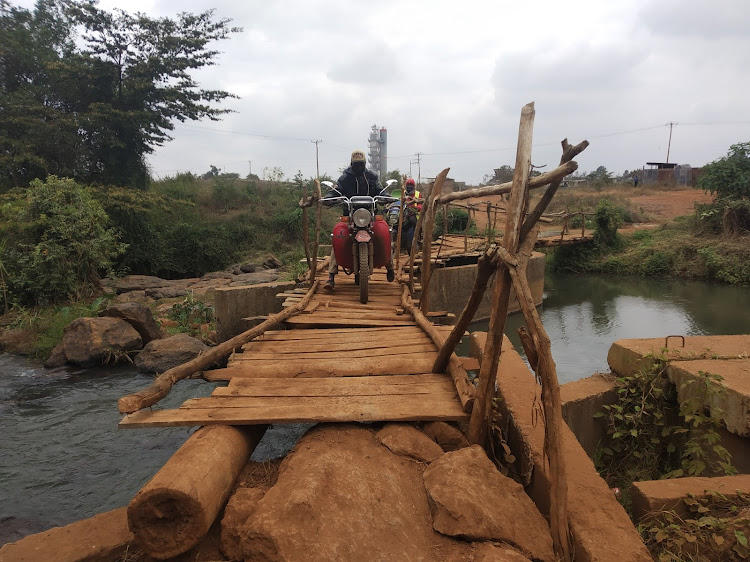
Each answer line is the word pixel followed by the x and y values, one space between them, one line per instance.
pixel 96 110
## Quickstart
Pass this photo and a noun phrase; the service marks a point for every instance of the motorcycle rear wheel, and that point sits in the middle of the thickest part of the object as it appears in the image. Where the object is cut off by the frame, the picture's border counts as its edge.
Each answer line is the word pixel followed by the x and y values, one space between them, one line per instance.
pixel 364 272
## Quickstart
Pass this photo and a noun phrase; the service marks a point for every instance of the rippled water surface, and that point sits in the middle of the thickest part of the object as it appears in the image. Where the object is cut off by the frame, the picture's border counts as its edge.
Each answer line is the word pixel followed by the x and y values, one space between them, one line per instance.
pixel 584 315
pixel 63 458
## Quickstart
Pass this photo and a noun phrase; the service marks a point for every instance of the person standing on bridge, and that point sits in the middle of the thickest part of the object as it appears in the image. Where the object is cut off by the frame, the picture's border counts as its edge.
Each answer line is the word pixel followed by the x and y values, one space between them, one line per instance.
pixel 356 180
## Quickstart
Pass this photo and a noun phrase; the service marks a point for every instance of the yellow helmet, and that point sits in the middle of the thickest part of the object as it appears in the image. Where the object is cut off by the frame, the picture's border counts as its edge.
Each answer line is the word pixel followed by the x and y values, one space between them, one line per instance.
pixel 358 156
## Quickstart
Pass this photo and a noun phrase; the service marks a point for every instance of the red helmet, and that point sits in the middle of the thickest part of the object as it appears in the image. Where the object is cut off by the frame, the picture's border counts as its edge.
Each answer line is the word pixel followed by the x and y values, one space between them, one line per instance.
pixel 410 182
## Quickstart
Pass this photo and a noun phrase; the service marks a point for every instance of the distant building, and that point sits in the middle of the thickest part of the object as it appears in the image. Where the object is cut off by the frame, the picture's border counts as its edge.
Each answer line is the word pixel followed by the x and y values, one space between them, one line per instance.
pixel 669 173
pixel 378 143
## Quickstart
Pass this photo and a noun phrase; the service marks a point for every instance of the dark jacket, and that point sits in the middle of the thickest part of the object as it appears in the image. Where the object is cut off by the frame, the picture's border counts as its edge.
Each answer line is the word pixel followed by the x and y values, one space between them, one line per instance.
pixel 350 185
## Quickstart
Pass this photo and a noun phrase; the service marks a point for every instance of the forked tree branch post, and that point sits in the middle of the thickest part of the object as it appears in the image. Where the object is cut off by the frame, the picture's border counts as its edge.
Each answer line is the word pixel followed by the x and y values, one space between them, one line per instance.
pixel 486 389
pixel 429 227
pixel 314 268
pixel 400 225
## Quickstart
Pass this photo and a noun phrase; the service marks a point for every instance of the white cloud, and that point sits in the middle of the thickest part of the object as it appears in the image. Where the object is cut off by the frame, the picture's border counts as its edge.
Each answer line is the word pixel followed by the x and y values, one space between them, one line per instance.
pixel 449 79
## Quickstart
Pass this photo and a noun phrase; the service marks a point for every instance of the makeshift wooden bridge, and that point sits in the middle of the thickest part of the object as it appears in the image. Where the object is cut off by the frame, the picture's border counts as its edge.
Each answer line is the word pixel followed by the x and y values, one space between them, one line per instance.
pixel 337 361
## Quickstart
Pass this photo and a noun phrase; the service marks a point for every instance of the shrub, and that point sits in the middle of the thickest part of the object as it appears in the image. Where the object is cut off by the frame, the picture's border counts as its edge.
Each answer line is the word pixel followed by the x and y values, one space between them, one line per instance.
pixel 59 243
pixel 729 177
pixel 607 220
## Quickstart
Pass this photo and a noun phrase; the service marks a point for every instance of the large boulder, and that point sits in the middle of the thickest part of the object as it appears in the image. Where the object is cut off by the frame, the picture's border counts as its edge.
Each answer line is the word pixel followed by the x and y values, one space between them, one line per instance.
pixel 407 441
pixel 340 495
pixel 470 499
pixel 88 342
pixel 161 355
pixel 139 317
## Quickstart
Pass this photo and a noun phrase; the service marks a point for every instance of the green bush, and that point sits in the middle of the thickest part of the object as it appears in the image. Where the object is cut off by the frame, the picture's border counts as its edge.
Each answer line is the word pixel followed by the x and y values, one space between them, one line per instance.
pixel 58 244
pixel 607 220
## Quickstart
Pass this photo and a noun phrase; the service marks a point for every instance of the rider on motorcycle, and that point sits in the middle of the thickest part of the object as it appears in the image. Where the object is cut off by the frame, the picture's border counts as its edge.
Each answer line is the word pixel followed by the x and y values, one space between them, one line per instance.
pixel 356 180
pixel 412 208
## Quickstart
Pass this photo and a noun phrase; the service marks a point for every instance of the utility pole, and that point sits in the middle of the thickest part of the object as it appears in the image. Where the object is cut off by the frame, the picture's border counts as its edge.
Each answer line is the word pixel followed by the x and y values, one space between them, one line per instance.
pixel 419 168
pixel 317 164
pixel 250 171
pixel 671 124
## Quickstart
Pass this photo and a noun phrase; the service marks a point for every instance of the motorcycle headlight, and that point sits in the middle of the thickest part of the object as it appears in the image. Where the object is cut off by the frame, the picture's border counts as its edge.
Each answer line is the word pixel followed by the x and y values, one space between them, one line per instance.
pixel 362 218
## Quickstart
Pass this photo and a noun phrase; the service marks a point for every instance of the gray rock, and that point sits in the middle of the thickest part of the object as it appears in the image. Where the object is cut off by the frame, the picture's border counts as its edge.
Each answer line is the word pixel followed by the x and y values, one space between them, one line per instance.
pixel 138 283
pixel 470 499
pixel 254 278
pixel 89 342
pixel 248 268
pixel 161 355
pixel 166 292
pixel 138 316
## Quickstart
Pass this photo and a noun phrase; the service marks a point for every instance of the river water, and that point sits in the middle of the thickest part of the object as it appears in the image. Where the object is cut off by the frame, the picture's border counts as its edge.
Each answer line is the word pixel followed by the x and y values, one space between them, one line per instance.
pixel 62 457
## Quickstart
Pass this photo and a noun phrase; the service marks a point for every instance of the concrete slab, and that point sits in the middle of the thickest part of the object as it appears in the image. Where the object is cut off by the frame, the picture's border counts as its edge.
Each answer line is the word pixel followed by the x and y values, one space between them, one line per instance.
pixel 101 538
pixel 600 526
pixel 667 495
pixel 733 404
pixel 626 357
pixel 450 288
pixel 234 304
pixel 582 399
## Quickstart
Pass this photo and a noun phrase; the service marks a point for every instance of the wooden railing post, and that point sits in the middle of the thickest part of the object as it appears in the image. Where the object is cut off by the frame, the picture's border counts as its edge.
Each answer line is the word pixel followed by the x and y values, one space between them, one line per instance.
pixel 314 268
pixel 429 227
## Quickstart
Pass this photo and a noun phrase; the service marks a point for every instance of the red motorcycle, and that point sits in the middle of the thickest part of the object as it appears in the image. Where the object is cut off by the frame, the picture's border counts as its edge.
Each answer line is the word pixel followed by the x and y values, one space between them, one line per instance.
pixel 361 240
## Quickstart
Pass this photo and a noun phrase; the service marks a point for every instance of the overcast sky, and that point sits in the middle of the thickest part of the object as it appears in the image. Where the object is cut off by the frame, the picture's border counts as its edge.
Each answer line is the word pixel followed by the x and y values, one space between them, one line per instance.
pixel 448 80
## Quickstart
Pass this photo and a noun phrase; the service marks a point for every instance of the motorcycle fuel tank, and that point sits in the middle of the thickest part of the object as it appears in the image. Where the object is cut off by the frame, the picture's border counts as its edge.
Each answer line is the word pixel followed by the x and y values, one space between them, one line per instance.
pixel 343 240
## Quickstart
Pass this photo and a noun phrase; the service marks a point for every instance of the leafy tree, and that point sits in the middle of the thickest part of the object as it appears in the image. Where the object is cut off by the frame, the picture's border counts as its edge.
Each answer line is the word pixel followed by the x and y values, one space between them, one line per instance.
pixel 729 177
pixel 393 175
pixel 58 244
pixel 94 109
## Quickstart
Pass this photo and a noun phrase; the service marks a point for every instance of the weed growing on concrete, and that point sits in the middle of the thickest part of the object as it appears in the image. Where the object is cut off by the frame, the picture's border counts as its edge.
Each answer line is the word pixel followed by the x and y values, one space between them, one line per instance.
pixel 650 436
pixel 190 315
pixel 714 528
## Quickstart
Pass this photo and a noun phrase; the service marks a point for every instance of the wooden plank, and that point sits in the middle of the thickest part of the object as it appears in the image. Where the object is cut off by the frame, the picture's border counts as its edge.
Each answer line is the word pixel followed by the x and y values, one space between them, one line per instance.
pixel 387 365
pixel 343 333
pixel 402 352
pixel 409 343
pixel 348 409
pixel 342 386
pixel 348 382
pixel 344 315
pixel 323 402
pixel 312 321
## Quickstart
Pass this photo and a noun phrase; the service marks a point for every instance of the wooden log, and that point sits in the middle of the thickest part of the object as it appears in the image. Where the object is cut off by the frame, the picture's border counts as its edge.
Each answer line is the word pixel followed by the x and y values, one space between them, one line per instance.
pixel 400 226
pixel 569 152
pixel 485 269
pixel 429 226
pixel 318 208
pixel 534 183
pixel 460 378
pixel 176 508
pixel 164 382
pixel 551 402
pixel 480 416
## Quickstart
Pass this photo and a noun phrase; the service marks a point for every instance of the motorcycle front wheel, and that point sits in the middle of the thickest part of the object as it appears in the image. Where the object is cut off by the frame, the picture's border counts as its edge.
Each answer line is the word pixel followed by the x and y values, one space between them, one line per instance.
pixel 364 272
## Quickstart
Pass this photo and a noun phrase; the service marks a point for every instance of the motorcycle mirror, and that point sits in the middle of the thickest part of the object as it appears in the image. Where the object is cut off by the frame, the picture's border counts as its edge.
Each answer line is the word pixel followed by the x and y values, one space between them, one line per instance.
pixel 328 184
pixel 390 183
